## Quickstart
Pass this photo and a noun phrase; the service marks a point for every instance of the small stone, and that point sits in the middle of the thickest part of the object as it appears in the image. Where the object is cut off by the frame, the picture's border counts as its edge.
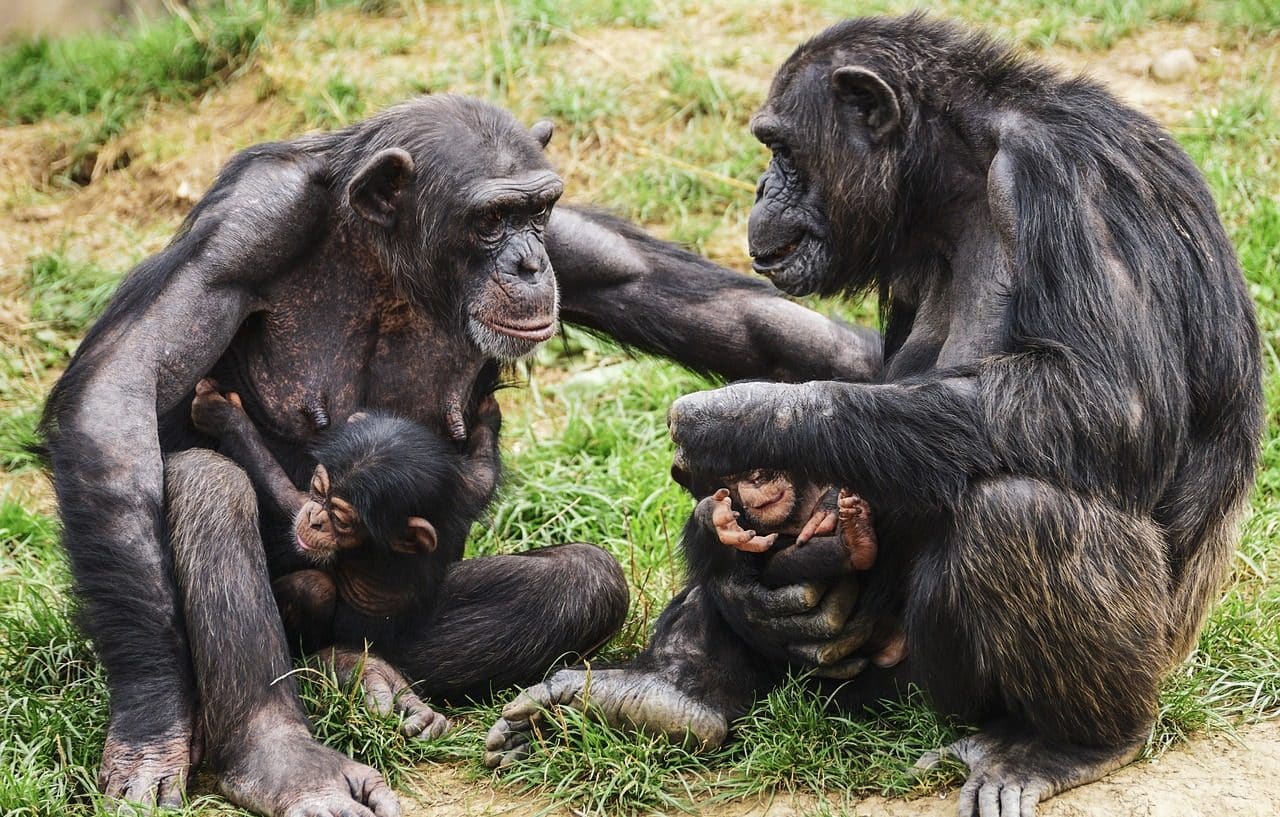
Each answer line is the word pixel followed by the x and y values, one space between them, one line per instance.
pixel 1172 66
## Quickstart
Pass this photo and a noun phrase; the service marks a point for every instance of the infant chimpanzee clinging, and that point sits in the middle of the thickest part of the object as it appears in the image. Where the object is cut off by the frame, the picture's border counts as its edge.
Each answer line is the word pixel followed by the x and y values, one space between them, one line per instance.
pixel 804 516
pixel 385 495
pixel 802 533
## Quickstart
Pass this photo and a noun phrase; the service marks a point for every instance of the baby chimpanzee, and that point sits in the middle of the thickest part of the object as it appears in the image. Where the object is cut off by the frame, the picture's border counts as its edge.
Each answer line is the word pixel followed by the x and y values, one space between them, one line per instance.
pixel 802 533
pixel 773 506
pixel 386 495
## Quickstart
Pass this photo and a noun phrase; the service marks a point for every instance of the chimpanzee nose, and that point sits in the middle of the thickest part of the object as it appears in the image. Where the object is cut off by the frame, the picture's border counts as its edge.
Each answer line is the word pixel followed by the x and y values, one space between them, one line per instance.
pixel 530 262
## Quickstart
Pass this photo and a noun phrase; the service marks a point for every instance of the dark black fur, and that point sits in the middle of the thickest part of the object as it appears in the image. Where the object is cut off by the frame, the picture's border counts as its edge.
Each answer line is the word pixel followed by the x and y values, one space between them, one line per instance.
pixel 1071 388
pixel 1066 424
pixel 390 469
pixel 318 275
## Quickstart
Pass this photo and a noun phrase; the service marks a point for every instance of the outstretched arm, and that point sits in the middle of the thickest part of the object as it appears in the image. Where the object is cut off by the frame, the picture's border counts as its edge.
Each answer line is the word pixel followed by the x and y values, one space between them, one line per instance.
pixel 222 416
pixel 616 279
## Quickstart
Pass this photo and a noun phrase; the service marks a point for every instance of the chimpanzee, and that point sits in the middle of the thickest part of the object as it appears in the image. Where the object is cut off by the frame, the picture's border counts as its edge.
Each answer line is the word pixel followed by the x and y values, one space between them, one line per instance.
pixel 804 516
pixel 1065 429
pixel 384 266
pixel 800 533
pixel 364 529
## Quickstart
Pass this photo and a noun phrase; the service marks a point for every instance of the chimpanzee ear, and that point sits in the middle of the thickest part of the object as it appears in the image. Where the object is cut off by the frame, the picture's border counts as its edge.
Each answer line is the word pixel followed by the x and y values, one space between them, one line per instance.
pixel 378 186
pixel 542 130
pixel 1002 199
pixel 359 416
pixel 420 539
pixel 864 88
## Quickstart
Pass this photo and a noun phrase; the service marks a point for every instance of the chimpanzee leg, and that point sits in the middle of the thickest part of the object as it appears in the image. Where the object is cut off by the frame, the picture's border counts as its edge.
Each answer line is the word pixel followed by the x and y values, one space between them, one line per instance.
pixel 505 620
pixel 695 676
pixel 257 736
pixel 1045 616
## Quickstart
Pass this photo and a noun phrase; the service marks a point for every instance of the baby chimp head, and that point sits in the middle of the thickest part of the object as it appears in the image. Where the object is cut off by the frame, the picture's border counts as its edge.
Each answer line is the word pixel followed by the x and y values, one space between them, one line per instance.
pixel 377 479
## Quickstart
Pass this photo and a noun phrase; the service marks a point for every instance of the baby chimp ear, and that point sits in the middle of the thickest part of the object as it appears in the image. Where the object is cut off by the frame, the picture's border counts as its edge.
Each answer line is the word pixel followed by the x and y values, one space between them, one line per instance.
pixel 420 539
pixel 358 416
pixel 542 130
pixel 377 188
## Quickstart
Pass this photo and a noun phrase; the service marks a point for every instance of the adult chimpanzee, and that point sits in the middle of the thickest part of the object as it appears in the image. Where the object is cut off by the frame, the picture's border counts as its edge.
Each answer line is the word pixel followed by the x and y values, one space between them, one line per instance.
pixel 1066 426
pixel 385 265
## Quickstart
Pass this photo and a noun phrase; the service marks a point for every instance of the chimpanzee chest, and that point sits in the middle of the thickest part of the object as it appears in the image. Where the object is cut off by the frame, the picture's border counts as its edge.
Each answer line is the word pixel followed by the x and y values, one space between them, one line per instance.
pixel 295 379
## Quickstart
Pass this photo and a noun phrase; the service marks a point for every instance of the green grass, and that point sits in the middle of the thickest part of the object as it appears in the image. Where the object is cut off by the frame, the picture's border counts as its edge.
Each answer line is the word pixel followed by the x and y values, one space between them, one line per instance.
pixel 656 130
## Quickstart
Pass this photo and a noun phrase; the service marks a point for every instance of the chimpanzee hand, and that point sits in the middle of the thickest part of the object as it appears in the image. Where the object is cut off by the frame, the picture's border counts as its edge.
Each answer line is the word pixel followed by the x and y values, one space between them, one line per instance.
pixel 213 412
pixel 716 513
pixel 811 625
pixel 733 429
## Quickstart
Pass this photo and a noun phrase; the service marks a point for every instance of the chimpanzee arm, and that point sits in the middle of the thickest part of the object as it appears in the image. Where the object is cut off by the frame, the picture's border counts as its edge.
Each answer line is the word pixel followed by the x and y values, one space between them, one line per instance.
pixel 166 326
pixel 241 441
pixel 618 280
pixel 915 443
pixel 484 459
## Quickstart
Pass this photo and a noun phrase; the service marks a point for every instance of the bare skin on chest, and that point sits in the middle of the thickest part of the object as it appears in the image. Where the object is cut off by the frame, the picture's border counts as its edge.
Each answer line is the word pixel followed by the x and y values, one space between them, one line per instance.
pixel 379 352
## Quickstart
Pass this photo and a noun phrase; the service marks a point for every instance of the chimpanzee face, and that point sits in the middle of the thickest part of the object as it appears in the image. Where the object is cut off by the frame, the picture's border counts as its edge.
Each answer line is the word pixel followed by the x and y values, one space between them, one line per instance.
pixel 463 208
pixel 511 300
pixel 767 497
pixel 826 195
pixel 326 524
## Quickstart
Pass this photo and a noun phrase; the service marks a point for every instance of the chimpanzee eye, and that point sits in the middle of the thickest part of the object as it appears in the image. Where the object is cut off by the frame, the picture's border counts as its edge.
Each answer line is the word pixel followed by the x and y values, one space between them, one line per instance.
pixel 491 223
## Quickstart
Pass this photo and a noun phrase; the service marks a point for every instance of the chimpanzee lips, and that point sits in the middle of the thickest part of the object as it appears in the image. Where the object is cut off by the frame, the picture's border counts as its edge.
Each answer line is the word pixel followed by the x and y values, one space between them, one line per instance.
pixel 773 259
pixel 534 331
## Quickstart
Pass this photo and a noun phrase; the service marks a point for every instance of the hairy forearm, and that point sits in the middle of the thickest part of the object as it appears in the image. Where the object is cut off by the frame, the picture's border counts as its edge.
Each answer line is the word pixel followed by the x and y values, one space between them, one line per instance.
pixel 242 443
pixel 617 280
pixel 918 443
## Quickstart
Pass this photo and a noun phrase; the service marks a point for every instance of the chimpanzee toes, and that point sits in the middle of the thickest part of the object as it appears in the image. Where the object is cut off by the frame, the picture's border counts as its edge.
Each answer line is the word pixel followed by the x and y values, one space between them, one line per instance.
pixel 424 723
pixel 506 743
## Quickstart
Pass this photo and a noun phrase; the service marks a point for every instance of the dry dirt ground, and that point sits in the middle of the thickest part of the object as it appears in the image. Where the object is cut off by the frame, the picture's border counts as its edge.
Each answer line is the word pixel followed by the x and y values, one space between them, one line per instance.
pixel 128 214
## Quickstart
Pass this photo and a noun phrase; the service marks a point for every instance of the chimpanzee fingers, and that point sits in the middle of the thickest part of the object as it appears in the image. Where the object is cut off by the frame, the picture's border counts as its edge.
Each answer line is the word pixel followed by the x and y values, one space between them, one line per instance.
pixel 828 653
pixel 206 386
pixel 763 606
pixel 529 704
pixel 424 723
pixel 829 620
pixel 757 544
pixel 234 399
pixel 843 670
pixel 378 796
pixel 506 743
pixel 822 523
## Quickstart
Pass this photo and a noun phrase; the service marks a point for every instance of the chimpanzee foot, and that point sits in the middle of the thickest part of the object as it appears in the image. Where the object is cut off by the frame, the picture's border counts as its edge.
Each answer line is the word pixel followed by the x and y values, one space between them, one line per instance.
pixel 284 772
pixel 151 773
pixel 856 530
pixel 1010 774
pixel 622 698
pixel 386 691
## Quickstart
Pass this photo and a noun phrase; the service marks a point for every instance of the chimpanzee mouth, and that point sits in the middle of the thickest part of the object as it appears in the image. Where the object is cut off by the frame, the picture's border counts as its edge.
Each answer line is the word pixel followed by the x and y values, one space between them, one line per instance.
pixel 768 262
pixel 795 267
pixel 531 331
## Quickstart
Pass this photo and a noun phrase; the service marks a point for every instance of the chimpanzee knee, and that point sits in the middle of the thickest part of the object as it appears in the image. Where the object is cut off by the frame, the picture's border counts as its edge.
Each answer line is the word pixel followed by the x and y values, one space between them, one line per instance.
pixel 597 581
pixel 1045 606
pixel 503 621
pixel 209 495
